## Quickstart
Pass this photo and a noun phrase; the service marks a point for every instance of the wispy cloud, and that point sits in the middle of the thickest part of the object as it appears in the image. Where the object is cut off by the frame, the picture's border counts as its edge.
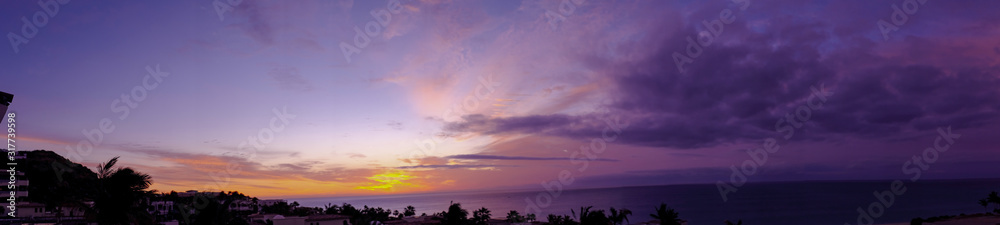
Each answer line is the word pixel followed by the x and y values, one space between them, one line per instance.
pixel 497 157
pixel 463 166
pixel 288 78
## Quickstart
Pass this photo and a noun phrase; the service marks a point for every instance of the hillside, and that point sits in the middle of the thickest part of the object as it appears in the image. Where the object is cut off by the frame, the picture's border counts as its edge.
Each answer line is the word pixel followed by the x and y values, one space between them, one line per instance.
pixel 55 180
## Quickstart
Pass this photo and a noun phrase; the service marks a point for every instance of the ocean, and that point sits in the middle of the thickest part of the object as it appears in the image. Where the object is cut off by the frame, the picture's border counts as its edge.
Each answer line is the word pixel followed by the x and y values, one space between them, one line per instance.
pixel 813 202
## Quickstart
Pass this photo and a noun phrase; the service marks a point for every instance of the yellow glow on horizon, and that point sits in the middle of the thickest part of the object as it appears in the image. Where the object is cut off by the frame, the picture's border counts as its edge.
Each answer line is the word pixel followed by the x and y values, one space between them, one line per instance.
pixel 388 180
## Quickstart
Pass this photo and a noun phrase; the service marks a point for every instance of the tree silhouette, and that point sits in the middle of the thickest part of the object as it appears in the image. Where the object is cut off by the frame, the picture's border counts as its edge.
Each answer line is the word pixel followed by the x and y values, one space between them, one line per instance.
pixel 514 217
pixel 995 199
pixel 120 195
pixel 667 216
pixel 738 222
pixel 596 217
pixel 561 220
pixel 619 216
pixel 281 208
pixel 371 214
pixel 984 202
pixel 481 216
pixel 409 211
pixel 218 213
pixel 455 215
pixel 330 208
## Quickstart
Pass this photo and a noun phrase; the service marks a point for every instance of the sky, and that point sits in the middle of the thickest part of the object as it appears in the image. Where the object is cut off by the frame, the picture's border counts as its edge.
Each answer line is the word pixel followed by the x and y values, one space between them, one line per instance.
pixel 342 97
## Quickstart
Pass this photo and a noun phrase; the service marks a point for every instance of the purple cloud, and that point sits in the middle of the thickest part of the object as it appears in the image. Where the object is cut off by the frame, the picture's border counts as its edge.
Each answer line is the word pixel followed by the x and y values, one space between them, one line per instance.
pixel 739 87
pixel 498 157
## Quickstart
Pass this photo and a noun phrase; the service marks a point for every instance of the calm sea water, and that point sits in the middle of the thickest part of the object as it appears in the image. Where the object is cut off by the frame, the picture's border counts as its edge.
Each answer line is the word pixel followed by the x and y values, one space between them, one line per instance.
pixel 825 202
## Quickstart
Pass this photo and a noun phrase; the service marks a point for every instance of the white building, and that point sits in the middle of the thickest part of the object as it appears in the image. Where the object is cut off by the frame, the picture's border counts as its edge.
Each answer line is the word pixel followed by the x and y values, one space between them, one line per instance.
pixel 192 193
pixel 328 220
pixel 241 205
pixel 302 220
pixel 269 202
pixel 160 207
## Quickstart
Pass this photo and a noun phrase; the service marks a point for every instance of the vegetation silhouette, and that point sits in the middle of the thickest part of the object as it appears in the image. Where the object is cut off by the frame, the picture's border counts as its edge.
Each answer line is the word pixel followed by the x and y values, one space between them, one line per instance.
pixel 455 215
pixel 120 195
pixel 481 216
pixel 667 216
pixel 618 216
pixel 514 217
pixel 991 199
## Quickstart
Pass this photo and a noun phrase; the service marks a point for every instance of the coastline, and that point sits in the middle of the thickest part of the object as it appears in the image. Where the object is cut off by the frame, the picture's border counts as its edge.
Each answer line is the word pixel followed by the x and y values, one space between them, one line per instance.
pixel 974 219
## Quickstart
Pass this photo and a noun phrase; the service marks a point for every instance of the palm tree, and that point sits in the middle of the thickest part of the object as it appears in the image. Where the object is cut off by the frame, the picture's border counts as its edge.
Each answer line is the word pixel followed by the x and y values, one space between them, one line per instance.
pixel 618 216
pixel 481 216
pixel 984 202
pixel 530 217
pixel 667 216
pixel 561 220
pixel 995 199
pixel 596 217
pixel 514 217
pixel 120 195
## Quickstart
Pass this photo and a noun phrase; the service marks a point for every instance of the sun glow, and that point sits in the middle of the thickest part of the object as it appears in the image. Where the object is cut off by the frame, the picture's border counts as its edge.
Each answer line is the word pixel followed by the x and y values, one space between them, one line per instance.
pixel 388 180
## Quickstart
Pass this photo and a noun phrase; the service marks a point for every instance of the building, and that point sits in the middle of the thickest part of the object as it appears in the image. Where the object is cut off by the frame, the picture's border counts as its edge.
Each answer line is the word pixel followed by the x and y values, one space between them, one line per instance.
pixel 269 202
pixel 31 210
pixel 21 185
pixel 301 220
pixel 160 207
pixel 20 192
pixel 242 205
pixel 37 210
pixel 328 220
pixel 76 211
pixel 415 220
pixel 192 193
pixel 276 219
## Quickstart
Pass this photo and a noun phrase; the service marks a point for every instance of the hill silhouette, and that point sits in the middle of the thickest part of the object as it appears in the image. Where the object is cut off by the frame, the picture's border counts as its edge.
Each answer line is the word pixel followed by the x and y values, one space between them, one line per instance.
pixel 54 180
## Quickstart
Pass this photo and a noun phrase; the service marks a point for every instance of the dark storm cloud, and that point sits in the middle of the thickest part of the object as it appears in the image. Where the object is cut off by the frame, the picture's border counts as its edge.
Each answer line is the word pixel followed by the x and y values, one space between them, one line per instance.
pixel 752 75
